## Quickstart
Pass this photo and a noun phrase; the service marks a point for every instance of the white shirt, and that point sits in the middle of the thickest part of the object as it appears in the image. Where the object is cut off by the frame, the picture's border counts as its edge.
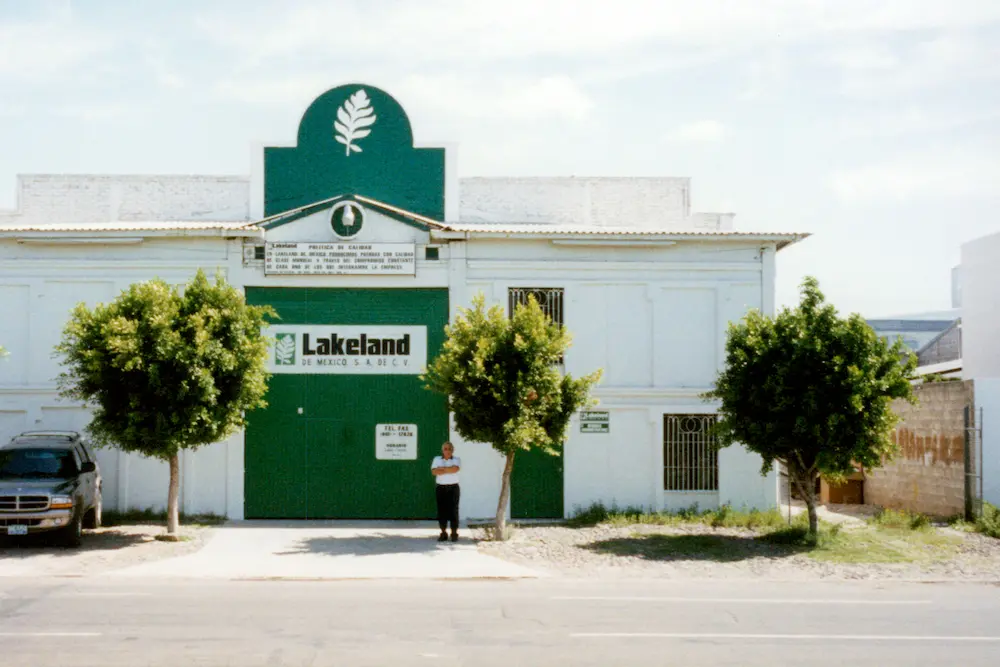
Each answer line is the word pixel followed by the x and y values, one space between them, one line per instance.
pixel 441 462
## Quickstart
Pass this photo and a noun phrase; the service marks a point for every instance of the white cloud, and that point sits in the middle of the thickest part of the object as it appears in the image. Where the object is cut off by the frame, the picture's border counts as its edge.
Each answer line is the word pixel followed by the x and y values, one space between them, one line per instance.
pixel 910 120
pixel 450 30
pixel 965 173
pixel 510 98
pixel 699 132
pixel 876 70
pixel 33 50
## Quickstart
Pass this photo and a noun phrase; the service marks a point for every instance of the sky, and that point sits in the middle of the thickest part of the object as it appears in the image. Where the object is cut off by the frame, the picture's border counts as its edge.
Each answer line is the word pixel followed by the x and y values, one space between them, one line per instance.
pixel 872 124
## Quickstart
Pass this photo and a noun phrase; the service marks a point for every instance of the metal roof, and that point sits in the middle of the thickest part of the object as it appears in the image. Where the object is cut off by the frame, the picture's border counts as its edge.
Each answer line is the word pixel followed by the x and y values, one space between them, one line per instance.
pixel 561 230
pixel 129 226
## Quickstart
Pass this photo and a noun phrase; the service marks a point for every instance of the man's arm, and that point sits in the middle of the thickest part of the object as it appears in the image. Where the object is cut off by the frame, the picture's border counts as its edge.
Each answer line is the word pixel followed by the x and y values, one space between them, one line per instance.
pixel 447 470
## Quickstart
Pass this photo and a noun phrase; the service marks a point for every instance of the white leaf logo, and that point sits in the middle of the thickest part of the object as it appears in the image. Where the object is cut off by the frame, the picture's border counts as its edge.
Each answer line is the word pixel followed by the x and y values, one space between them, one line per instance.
pixel 353 119
pixel 284 350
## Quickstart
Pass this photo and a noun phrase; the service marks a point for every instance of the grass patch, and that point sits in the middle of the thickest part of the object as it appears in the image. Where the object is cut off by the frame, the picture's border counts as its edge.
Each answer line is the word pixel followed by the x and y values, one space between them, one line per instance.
pixel 110 518
pixel 988 522
pixel 900 520
pixel 890 537
pixel 892 541
pixel 724 517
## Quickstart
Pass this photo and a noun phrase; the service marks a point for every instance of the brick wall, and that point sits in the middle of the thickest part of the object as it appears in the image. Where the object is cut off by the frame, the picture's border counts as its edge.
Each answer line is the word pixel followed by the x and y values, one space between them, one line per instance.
pixel 56 198
pixel 655 203
pixel 928 474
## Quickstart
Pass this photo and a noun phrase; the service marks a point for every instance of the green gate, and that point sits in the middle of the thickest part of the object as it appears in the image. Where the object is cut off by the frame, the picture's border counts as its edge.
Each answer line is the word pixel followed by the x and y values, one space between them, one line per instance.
pixel 311 453
pixel 536 486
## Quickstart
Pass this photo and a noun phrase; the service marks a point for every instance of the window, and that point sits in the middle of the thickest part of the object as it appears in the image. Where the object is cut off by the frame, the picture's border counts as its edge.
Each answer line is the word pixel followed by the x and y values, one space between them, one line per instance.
pixel 690 459
pixel 549 298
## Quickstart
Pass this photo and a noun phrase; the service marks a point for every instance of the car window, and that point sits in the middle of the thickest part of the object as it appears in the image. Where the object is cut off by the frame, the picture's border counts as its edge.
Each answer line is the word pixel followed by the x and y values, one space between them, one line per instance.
pixel 38 463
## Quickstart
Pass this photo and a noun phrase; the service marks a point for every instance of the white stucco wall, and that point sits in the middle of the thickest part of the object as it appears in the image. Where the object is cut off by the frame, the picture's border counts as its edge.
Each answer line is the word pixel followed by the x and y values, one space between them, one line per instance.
pixel 39 286
pixel 653 316
pixel 987 395
pixel 980 270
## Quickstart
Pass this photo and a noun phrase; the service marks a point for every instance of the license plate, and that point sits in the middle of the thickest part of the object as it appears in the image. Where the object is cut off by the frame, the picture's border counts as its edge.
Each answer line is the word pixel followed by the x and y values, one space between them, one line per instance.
pixel 17 530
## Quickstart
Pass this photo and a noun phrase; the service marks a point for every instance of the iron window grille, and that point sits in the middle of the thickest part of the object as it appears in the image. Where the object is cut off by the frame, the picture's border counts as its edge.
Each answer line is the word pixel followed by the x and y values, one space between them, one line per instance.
pixel 550 299
pixel 690 457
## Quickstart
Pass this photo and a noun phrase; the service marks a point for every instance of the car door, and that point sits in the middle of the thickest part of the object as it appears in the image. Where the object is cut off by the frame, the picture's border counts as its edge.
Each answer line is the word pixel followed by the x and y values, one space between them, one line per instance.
pixel 96 476
pixel 85 479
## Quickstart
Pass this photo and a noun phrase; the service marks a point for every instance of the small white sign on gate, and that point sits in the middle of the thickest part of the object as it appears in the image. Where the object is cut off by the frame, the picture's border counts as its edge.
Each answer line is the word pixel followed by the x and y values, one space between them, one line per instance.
pixel 396 442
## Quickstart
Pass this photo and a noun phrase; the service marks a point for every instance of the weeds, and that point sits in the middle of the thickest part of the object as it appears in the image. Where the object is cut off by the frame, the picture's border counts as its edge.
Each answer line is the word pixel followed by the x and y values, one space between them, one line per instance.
pixel 988 522
pixel 724 517
pixel 900 520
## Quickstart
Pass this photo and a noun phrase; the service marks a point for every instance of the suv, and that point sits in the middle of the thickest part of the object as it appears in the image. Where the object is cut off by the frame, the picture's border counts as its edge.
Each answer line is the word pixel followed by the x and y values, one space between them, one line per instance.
pixel 49 482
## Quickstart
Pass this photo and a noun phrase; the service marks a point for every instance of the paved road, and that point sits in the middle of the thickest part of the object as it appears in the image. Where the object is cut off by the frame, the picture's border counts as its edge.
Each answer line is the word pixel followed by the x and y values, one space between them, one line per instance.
pixel 136 622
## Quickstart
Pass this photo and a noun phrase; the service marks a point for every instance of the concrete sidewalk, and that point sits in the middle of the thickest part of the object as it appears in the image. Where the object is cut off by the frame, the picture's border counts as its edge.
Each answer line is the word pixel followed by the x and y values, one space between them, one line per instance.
pixel 331 550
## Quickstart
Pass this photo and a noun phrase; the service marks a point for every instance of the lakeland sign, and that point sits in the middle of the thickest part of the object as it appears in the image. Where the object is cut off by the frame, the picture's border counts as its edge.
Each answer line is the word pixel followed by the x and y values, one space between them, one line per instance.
pixel 348 350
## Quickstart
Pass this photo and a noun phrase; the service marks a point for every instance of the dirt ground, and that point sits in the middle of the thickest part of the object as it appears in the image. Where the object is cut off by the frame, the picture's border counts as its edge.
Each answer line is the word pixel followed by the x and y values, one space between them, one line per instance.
pixel 102 550
pixel 698 551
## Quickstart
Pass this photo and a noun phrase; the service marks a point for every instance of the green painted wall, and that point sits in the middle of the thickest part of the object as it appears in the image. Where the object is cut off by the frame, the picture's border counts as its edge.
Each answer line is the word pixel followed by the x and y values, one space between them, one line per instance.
pixel 536 486
pixel 322 464
pixel 341 150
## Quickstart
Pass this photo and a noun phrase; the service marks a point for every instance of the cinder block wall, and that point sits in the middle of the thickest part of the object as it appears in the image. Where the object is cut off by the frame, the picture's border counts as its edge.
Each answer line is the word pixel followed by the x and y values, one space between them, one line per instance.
pixel 928 473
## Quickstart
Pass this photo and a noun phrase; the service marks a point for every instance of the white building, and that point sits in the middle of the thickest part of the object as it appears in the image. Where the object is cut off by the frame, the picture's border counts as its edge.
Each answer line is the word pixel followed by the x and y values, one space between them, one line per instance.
pixel 352 233
pixel 980 275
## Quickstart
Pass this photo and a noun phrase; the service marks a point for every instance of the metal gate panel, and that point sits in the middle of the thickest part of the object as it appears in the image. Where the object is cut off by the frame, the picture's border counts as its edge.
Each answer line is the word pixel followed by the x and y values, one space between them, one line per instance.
pixel 311 452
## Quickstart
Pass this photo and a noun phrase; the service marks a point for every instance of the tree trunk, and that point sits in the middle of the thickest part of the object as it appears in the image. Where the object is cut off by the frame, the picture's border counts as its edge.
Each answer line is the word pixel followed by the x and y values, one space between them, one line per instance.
pixel 173 514
pixel 501 519
pixel 806 485
pixel 810 496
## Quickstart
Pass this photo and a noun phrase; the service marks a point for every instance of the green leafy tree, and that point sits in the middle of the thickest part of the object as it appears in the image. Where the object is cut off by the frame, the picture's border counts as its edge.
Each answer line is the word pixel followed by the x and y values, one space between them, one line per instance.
pixel 502 384
pixel 811 390
pixel 166 370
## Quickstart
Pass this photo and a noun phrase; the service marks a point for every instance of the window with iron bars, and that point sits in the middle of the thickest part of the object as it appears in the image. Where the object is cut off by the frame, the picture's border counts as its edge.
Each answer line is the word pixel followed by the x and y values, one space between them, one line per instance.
pixel 690 458
pixel 550 299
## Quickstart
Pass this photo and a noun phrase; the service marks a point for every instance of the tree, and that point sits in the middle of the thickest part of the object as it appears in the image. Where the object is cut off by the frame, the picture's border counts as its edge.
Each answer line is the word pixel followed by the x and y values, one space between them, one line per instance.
pixel 811 390
pixel 166 370
pixel 503 386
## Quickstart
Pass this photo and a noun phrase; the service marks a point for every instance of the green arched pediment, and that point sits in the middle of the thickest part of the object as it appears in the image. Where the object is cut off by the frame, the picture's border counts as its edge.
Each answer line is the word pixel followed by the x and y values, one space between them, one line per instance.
pixel 355 139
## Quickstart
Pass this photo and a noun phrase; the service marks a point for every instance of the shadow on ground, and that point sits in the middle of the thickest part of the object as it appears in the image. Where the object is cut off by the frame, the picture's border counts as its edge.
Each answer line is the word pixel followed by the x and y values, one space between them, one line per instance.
pixel 376 544
pixel 717 548
pixel 106 539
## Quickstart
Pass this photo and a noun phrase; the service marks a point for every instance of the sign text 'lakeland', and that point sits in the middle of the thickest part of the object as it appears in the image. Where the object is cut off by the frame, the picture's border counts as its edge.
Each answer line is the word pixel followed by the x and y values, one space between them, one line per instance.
pixel 348 349
pixel 339 258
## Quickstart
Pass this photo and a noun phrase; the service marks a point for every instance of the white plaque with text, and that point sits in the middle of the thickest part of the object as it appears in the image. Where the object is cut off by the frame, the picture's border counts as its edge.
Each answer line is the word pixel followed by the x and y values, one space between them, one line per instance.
pixel 396 442
pixel 340 258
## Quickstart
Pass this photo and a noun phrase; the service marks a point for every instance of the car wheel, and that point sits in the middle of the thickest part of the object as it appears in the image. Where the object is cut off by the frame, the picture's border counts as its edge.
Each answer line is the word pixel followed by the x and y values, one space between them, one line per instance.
pixel 92 519
pixel 72 535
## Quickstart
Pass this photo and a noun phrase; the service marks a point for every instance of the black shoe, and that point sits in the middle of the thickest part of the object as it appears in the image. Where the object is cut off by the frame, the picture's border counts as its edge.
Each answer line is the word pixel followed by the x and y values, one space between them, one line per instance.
pixel 454 537
pixel 443 537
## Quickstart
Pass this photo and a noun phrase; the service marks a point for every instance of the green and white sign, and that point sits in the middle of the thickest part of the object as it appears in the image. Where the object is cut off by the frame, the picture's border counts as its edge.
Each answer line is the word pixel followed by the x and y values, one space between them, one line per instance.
pixel 598 421
pixel 348 350
pixel 396 442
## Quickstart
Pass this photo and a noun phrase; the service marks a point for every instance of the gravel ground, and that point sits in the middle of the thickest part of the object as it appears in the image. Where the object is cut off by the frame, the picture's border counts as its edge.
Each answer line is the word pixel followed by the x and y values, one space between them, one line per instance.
pixel 582 552
pixel 102 550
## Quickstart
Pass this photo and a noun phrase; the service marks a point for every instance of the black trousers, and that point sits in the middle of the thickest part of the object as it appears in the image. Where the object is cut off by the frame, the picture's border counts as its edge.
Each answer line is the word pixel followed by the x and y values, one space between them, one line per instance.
pixel 447 502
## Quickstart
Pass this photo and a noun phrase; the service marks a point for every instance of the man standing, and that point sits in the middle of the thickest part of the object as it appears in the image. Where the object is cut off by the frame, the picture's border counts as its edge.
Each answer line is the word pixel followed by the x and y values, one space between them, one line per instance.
pixel 445 470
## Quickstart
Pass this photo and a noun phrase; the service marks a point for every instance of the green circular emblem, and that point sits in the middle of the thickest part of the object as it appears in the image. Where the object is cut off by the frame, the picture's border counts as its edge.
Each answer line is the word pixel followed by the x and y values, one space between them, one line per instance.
pixel 346 219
